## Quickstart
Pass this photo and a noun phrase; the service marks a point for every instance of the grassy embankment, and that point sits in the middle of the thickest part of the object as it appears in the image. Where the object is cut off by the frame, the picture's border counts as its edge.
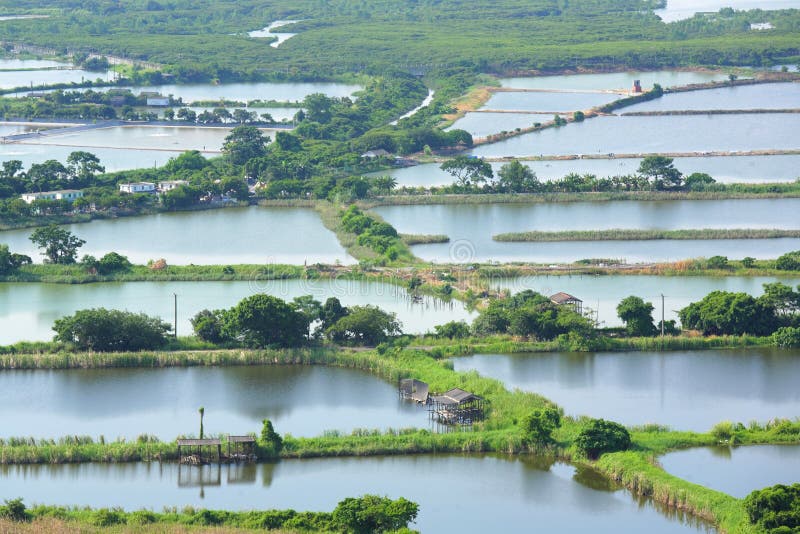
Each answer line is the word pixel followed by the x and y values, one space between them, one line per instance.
pixel 637 469
pixel 646 235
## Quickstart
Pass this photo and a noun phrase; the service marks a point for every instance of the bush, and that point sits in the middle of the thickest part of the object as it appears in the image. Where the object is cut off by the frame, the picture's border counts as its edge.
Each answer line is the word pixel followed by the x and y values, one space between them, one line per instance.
pixel 371 513
pixel 111 330
pixel 452 330
pixel 775 509
pixel 14 509
pixel 602 436
pixel 270 440
pixel 540 424
pixel 141 517
pixel 786 337
pixel 789 261
pixel 105 517
pixel 723 431
pixel 112 263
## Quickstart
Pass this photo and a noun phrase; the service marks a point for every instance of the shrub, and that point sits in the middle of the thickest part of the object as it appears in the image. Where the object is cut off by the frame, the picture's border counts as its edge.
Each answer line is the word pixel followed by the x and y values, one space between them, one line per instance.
pixel 723 431
pixel 789 261
pixel 540 424
pixel 786 337
pixel 105 517
pixel 141 517
pixel 601 436
pixel 112 263
pixel 14 509
pixel 452 330
pixel 775 509
pixel 371 513
pixel 270 440
pixel 111 330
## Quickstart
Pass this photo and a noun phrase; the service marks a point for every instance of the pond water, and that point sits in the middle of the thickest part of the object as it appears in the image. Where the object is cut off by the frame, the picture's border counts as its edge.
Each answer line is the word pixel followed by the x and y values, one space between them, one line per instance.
pixel 602 293
pixel 548 102
pixel 28 78
pixel 695 133
pixel 220 236
pixel 299 400
pixel 10 129
pixel 519 491
pixel 171 138
pixel 736 470
pixel 243 92
pixel 483 124
pixel 684 9
pixel 724 169
pixel 761 96
pixel 471 227
pixel 27 311
pixel 21 64
pixel 686 390
pixel 113 159
pixel 614 80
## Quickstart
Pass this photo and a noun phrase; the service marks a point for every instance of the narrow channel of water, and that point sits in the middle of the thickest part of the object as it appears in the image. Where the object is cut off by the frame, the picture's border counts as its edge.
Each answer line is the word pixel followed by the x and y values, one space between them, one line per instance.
pixel 686 390
pixel 28 311
pixel 221 236
pixel 736 470
pixel 518 492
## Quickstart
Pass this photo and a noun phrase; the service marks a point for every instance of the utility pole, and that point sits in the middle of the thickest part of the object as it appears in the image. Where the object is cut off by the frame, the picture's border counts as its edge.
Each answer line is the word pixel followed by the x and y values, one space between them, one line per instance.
pixel 662 315
pixel 175 309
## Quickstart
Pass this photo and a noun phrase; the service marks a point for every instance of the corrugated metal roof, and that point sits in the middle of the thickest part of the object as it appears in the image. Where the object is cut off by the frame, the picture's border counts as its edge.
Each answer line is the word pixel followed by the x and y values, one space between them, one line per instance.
pixel 561 298
pixel 199 442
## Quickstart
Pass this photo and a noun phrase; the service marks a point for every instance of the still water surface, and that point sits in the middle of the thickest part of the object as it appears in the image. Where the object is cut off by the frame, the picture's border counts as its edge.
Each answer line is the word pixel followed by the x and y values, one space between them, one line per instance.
pixel 27 311
pixel 692 133
pixel 684 9
pixel 222 236
pixel 737 470
pixel 113 159
pixel 761 96
pixel 784 168
pixel 511 494
pixel 614 80
pixel 300 400
pixel 687 390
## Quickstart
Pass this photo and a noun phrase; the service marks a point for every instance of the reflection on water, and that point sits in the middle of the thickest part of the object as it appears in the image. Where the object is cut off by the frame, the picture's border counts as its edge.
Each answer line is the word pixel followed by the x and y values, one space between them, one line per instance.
pixel 519 491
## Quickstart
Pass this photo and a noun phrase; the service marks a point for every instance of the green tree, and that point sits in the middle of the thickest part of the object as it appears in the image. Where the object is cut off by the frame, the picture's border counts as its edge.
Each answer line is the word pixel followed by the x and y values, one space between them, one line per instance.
pixel 244 143
pixel 775 509
pixel 661 171
pixel 14 510
pixel 10 262
pixel 601 436
pixel 364 325
pixel 264 320
pixel 373 514
pixel 515 177
pixel 468 170
pixel 786 337
pixel 789 261
pixel 112 263
pixel 105 330
pixel 722 312
pixel 539 425
pixel 331 312
pixel 452 330
pixel 83 167
pixel 637 316
pixel 698 181
pixel 209 326
pixel 59 245
pixel 270 440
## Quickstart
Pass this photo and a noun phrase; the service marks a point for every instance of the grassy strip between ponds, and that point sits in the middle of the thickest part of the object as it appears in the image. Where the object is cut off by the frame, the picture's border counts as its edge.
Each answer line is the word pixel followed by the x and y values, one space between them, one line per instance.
pixel 500 432
pixel 619 234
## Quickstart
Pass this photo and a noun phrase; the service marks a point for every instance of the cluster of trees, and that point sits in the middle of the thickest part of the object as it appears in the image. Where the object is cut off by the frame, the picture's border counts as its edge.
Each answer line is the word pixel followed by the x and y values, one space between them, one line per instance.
pixel 655 173
pixel 267 321
pixel 81 170
pixel 104 330
pixel 532 315
pixel 724 312
pixel 10 261
pixel 776 509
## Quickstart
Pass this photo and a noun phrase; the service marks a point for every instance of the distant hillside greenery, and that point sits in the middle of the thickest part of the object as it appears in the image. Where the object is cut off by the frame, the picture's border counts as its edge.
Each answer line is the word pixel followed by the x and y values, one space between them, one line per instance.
pixel 206 39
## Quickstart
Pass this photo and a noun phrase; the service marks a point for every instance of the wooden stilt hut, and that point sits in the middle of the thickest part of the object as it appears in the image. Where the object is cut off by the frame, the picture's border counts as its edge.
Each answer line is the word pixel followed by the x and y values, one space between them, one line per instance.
pixel 242 448
pixel 413 389
pixel 457 406
pixel 190 451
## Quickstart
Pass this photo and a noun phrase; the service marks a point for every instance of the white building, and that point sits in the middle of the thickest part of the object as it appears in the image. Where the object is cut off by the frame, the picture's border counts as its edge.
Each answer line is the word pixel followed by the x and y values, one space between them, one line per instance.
pixel 158 101
pixel 138 187
pixel 65 194
pixel 169 185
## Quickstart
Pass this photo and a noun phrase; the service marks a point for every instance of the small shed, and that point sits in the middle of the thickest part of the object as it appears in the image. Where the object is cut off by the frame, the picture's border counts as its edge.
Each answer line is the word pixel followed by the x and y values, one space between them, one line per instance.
pixel 413 389
pixel 565 299
pixel 190 451
pixel 242 448
pixel 457 406
pixel 372 154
